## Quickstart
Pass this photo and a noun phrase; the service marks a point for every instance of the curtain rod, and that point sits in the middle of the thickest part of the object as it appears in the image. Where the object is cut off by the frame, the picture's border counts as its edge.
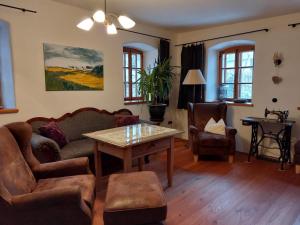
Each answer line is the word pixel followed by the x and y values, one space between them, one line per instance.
pixel 148 35
pixel 232 35
pixel 294 24
pixel 18 8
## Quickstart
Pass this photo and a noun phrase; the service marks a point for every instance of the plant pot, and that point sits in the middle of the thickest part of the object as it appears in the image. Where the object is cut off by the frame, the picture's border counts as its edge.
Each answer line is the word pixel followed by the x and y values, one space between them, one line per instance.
pixel 157 112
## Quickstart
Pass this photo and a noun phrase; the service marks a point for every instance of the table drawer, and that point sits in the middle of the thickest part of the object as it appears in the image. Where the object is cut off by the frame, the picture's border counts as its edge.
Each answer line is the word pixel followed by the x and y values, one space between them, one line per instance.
pixel 150 147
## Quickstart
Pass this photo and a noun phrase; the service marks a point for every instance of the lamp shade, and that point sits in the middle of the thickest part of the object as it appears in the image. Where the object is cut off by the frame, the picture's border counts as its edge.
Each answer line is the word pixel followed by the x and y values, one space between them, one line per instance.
pixel 111 29
pixel 126 22
pixel 99 16
pixel 194 77
pixel 86 24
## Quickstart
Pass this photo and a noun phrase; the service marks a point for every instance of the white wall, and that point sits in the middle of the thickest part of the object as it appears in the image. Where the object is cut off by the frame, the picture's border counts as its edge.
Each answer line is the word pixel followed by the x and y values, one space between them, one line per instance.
pixel 280 38
pixel 56 23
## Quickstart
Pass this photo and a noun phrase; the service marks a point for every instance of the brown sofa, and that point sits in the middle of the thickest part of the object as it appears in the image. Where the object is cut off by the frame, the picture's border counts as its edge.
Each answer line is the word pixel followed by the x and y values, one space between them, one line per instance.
pixel 204 143
pixel 297 157
pixel 73 125
pixel 31 193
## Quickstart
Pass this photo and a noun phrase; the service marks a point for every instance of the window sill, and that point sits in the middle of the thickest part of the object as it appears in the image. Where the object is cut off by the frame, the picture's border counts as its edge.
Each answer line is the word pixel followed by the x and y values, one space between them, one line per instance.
pixel 135 103
pixel 8 111
pixel 248 104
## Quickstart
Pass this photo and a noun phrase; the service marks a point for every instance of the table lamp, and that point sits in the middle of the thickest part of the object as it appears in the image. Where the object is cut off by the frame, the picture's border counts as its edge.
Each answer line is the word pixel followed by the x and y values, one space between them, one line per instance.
pixel 194 77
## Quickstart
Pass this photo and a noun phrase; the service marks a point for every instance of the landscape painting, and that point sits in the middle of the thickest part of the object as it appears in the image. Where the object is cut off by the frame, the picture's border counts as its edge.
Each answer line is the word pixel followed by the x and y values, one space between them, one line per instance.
pixel 73 69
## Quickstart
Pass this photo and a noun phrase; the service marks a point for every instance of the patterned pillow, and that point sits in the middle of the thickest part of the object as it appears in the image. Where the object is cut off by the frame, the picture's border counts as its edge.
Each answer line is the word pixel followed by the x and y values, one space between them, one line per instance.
pixel 215 127
pixel 125 120
pixel 52 131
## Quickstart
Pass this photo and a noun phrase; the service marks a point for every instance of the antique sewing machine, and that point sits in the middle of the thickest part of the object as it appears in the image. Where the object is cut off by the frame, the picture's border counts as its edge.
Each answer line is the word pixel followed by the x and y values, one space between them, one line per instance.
pixel 281 115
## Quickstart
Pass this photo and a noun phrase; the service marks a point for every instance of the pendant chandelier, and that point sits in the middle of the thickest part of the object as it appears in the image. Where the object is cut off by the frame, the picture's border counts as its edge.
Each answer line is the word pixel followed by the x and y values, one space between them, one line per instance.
pixel 108 19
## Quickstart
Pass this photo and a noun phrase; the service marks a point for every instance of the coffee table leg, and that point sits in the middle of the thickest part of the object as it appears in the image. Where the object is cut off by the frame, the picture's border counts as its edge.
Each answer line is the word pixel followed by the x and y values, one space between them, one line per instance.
pixel 170 162
pixel 98 162
pixel 127 160
pixel 141 163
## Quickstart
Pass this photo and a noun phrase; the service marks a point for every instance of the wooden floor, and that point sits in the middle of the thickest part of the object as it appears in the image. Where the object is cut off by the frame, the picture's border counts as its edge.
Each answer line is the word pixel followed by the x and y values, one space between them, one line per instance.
pixel 217 193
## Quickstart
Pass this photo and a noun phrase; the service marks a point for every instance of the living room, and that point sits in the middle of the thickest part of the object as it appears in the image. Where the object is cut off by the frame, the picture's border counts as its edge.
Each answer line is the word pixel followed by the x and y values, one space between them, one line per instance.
pixel 256 182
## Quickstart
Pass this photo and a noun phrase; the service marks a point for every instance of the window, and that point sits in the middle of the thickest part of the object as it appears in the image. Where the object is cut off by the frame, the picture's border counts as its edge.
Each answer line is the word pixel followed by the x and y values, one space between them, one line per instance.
pixel 236 67
pixel 132 64
pixel 7 94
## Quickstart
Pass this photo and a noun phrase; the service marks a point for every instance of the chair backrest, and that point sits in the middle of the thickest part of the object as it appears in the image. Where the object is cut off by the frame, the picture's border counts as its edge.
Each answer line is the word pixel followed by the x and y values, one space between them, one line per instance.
pixel 16 177
pixel 84 120
pixel 200 113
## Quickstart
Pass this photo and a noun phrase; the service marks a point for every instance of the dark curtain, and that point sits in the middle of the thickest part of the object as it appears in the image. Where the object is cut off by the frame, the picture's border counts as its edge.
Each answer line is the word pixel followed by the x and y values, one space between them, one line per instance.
pixel 192 57
pixel 164 54
pixel 164 50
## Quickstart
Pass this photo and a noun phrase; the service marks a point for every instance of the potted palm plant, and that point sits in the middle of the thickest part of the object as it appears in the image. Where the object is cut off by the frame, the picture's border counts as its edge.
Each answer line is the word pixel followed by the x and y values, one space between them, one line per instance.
pixel 155 85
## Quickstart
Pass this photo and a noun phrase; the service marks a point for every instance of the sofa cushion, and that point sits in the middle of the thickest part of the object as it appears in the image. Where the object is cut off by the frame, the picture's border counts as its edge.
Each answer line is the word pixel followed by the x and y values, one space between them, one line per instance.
pixel 86 184
pixel 134 199
pixel 125 120
pixel 85 122
pixel 76 149
pixel 213 140
pixel 15 174
pixel 52 131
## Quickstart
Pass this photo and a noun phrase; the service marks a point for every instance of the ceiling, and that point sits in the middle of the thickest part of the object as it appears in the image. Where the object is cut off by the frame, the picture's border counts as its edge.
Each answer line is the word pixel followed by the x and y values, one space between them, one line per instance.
pixel 180 14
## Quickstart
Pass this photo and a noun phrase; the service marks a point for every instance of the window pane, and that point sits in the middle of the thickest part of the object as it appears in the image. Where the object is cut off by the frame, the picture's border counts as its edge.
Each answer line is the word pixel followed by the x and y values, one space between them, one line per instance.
pixel 138 93
pixel 134 90
pixel 133 60
pixel 228 76
pixel 245 91
pixel 126 90
pixel 126 75
pixel 246 75
pixel 138 75
pixel 223 60
pixel 125 58
pixel 230 60
pixel 247 58
pixel 139 61
pixel 226 91
pixel 134 72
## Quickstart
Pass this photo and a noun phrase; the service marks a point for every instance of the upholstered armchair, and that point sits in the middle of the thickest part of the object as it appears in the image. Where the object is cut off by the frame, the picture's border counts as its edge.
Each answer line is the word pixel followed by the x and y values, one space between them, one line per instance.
pixel 204 143
pixel 60 193
pixel 297 157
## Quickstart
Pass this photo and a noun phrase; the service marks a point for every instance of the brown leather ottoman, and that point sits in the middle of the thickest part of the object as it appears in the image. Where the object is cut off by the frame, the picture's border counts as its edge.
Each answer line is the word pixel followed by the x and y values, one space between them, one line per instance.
pixel 134 199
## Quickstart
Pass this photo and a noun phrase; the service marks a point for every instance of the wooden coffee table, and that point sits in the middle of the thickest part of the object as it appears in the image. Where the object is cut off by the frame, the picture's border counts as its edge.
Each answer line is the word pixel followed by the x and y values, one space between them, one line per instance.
pixel 134 142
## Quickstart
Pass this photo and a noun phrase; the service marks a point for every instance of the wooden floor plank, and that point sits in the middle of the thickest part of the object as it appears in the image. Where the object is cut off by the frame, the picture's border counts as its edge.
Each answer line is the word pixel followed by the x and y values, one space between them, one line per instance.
pixel 219 193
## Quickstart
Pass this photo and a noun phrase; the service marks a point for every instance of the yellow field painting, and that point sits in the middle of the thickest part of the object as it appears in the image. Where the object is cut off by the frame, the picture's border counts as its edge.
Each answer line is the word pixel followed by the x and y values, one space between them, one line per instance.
pixel 85 80
pixel 73 68
pixel 59 69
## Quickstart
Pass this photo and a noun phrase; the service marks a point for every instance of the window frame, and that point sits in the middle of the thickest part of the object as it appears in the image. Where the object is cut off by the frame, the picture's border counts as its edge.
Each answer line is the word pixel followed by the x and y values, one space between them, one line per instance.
pixel 130 51
pixel 237 50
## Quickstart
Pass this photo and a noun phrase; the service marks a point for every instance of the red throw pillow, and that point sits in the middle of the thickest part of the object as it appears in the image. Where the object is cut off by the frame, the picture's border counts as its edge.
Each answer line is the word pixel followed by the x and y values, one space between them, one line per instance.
pixel 52 131
pixel 125 120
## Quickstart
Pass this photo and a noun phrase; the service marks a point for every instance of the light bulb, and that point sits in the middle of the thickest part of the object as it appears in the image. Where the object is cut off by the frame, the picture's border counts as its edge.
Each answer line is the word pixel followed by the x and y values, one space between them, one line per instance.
pixel 86 24
pixel 111 29
pixel 99 16
pixel 126 22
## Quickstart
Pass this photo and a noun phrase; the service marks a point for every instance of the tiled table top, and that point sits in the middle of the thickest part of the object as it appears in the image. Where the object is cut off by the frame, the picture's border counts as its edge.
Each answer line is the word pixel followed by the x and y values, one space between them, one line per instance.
pixel 132 135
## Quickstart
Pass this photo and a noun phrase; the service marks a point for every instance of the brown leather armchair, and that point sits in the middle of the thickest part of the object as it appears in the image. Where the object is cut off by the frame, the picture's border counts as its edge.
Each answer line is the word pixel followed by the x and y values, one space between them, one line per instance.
pixel 297 157
pixel 204 143
pixel 31 193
